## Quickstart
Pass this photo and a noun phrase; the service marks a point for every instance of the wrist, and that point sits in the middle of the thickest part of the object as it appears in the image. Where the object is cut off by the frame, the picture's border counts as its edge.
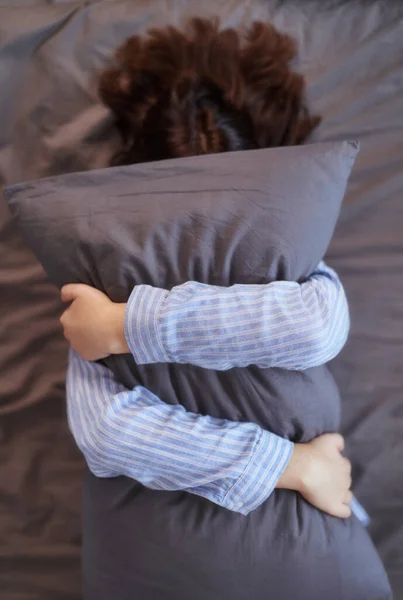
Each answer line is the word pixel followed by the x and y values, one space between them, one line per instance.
pixel 293 477
pixel 117 338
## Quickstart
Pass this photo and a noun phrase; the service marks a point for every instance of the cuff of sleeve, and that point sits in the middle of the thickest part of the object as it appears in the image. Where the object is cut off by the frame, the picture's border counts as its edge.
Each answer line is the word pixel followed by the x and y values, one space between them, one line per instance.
pixel 360 512
pixel 142 317
pixel 270 459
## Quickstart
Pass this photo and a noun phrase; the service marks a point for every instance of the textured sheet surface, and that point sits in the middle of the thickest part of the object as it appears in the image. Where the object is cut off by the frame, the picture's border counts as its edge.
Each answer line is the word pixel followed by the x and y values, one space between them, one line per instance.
pixel 50 122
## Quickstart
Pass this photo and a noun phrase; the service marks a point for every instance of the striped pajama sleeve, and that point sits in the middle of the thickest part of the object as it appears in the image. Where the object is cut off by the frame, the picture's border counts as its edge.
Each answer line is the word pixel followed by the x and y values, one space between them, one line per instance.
pixel 281 324
pixel 133 433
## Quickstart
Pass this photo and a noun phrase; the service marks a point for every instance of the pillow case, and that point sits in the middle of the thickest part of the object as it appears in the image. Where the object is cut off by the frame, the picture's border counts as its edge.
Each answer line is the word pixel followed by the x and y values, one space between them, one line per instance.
pixel 246 217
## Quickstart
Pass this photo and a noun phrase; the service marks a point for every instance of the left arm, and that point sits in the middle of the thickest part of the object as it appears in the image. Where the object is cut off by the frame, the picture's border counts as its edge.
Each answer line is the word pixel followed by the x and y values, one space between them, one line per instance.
pixel 282 324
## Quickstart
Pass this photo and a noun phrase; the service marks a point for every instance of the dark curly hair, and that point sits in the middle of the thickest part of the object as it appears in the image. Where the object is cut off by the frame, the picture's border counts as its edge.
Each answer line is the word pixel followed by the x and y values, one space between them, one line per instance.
pixel 205 90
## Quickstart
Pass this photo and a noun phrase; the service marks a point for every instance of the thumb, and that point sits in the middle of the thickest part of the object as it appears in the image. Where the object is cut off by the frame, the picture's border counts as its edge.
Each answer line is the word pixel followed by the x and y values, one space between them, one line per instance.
pixel 71 291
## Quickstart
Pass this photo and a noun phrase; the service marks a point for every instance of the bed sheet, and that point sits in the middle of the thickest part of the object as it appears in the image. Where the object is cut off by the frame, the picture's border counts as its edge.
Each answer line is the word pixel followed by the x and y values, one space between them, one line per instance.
pixel 51 122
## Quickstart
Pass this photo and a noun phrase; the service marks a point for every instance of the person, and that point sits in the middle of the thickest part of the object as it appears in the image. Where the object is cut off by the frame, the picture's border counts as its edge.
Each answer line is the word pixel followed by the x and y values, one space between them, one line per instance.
pixel 179 95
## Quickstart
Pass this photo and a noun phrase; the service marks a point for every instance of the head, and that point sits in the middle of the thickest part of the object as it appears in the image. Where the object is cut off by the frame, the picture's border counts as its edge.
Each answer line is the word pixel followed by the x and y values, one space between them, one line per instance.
pixel 205 90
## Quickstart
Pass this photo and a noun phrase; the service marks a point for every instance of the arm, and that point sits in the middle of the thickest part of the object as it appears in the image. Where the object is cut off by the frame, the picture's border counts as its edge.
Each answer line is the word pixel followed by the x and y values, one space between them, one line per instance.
pixel 282 324
pixel 236 465
pixel 134 433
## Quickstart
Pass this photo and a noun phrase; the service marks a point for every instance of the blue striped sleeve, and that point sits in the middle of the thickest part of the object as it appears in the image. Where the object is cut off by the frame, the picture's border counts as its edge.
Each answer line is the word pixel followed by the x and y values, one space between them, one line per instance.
pixel 133 433
pixel 281 324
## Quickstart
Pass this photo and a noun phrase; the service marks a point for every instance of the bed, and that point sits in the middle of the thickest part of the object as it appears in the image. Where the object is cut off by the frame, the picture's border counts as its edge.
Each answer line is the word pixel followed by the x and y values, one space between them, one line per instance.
pixel 51 122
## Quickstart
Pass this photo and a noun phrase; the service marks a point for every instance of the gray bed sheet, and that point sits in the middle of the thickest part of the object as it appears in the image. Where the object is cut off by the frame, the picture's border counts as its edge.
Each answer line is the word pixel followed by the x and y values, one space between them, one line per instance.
pixel 51 122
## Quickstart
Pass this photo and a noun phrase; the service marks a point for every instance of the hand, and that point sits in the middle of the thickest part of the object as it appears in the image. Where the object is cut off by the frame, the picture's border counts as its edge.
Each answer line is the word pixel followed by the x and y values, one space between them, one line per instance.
pixel 93 324
pixel 321 474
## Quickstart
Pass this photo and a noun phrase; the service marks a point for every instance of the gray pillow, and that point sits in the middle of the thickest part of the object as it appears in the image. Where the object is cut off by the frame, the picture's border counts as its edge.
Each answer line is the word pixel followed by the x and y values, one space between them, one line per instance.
pixel 231 218
pixel 241 217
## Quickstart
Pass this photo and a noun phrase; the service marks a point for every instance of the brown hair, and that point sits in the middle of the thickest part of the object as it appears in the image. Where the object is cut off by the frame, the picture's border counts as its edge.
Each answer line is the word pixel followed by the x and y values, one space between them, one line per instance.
pixel 204 90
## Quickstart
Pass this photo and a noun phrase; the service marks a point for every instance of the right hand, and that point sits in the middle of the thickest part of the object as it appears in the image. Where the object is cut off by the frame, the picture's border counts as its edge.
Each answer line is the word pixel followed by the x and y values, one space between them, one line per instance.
pixel 93 324
pixel 321 474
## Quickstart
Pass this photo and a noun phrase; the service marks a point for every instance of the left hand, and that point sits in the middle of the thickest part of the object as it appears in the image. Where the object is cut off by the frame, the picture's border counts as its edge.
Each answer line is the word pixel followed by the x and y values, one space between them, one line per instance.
pixel 93 324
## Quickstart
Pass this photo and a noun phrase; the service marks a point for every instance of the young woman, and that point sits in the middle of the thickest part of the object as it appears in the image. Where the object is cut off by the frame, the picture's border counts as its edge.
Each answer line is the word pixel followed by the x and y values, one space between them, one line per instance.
pixel 179 94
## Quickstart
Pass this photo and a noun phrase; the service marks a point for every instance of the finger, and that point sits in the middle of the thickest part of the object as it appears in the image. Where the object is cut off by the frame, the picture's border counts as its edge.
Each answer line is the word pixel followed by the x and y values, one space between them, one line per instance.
pixel 343 511
pixel 348 498
pixel 64 317
pixel 347 465
pixel 65 329
pixel 338 441
pixel 71 291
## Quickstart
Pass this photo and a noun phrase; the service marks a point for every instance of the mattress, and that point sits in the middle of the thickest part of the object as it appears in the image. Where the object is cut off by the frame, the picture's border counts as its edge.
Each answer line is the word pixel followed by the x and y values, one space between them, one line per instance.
pixel 51 122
